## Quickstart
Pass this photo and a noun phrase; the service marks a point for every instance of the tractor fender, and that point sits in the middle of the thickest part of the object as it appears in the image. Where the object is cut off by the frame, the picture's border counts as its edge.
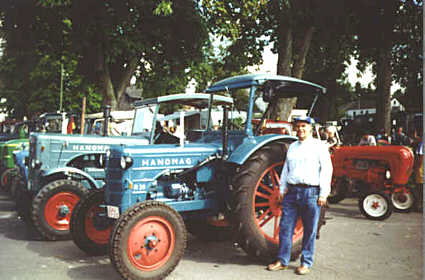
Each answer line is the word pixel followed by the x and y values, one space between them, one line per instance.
pixel 72 170
pixel 252 144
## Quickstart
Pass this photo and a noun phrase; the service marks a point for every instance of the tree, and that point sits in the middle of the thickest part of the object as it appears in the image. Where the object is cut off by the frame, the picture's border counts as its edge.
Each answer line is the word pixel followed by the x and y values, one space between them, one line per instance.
pixel 289 25
pixel 377 33
pixel 407 55
pixel 31 62
pixel 112 40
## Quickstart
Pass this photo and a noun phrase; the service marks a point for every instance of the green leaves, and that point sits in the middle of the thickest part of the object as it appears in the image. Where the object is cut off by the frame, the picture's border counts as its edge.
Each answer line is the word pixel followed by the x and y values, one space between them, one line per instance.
pixel 164 8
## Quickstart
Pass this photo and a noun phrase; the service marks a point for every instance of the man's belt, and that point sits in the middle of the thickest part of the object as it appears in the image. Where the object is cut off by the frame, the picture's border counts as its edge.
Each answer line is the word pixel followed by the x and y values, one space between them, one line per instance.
pixel 302 185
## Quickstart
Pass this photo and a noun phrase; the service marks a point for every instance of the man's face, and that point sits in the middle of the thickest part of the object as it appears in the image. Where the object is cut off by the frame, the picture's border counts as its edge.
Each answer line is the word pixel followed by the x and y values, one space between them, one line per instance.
pixel 303 130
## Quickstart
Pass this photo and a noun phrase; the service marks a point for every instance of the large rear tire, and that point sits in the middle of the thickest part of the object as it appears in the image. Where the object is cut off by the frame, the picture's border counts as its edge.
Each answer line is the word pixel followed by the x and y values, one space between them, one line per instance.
pixel 338 190
pixel 52 208
pixel 147 241
pixel 90 229
pixel 257 208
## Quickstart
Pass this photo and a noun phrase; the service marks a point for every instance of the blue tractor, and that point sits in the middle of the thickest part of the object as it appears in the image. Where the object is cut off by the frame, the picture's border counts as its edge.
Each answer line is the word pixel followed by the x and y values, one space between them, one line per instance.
pixel 225 180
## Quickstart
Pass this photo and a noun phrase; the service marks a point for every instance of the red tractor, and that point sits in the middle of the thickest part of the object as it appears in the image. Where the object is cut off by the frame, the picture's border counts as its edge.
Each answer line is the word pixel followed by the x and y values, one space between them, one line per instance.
pixel 378 173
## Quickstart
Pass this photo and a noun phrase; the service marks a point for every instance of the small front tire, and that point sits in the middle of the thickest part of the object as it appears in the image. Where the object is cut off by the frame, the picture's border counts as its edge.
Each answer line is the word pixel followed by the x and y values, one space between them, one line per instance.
pixel 147 241
pixel 89 229
pixel 403 199
pixel 375 205
pixel 52 208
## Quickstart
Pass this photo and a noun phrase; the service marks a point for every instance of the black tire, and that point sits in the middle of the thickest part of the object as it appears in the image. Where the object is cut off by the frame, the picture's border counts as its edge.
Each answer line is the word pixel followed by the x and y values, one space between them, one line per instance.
pixel 15 183
pixel 52 208
pixel 23 201
pixel 147 218
pixel 338 191
pixel 5 178
pixel 375 205
pixel 250 237
pixel 404 201
pixel 90 232
pixel 205 231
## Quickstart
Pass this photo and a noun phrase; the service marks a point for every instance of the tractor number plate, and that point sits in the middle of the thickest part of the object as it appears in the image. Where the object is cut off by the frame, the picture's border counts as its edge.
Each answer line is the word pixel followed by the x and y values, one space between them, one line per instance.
pixel 362 165
pixel 113 212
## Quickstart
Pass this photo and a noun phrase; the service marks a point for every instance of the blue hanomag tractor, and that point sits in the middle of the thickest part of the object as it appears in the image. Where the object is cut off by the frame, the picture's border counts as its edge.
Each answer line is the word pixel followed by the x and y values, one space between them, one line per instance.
pixel 225 179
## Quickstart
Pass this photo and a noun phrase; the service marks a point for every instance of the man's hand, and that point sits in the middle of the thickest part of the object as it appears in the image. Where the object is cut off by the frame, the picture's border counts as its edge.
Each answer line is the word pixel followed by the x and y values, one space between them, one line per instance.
pixel 321 201
pixel 280 198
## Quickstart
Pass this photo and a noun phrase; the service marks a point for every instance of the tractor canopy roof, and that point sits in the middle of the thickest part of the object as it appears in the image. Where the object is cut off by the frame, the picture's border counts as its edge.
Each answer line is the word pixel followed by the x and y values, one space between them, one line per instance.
pixel 282 86
pixel 197 100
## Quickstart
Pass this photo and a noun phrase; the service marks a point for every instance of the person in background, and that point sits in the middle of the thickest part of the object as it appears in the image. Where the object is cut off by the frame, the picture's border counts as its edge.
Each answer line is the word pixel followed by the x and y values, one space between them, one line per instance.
pixel 399 138
pixel 419 170
pixel 305 184
pixel 367 140
pixel 332 139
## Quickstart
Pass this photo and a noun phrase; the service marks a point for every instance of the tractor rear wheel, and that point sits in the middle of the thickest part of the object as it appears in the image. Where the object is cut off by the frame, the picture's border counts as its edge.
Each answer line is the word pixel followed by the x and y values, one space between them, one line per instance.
pixel 147 241
pixel 403 199
pixel 257 208
pixel 90 229
pixel 52 208
pixel 375 205
pixel 338 190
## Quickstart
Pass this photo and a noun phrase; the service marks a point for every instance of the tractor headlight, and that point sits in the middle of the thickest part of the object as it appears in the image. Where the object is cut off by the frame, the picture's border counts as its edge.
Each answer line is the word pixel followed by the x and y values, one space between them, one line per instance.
pixel 126 162
pixel 35 163
pixel 387 174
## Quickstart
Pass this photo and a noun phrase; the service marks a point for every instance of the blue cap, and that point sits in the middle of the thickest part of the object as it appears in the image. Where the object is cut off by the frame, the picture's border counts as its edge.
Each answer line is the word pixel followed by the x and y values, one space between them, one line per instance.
pixel 304 119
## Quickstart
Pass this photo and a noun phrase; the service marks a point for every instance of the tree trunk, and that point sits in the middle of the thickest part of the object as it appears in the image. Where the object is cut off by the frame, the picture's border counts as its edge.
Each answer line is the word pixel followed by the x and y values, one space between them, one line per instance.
pixel 383 89
pixel 286 63
pixel 108 89
pixel 299 63
pixel 125 81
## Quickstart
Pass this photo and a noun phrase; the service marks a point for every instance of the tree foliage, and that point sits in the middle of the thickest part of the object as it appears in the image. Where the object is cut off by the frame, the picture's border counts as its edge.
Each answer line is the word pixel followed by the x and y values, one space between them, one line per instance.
pixel 102 44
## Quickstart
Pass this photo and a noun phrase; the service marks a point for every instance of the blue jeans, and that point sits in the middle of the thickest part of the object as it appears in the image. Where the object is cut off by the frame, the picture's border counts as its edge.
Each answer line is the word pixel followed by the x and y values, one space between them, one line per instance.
pixel 299 202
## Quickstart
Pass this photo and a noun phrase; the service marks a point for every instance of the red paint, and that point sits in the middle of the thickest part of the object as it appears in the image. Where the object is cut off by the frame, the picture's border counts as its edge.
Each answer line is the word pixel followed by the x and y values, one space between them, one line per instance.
pixel 53 205
pixel 267 208
pixel 148 255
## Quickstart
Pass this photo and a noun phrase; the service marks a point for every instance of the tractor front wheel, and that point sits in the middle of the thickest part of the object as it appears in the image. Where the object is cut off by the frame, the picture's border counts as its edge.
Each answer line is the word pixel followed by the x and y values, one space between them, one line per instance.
pixel 257 208
pixel 147 241
pixel 375 205
pixel 402 199
pixel 6 177
pixel 52 208
pixel 90 228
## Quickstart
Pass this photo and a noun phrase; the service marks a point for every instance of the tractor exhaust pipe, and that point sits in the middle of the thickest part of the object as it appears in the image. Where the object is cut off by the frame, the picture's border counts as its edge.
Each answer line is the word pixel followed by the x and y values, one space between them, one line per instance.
pixel 225 131
pixel 106 117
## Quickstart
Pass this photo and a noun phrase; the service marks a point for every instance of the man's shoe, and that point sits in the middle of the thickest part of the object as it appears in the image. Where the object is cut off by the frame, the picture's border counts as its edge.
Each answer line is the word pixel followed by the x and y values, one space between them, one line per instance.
pixel 276 266
pixel 302 270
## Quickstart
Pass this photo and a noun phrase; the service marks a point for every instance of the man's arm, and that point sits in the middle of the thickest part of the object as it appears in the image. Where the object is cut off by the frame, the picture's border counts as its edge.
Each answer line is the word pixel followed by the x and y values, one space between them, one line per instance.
pixel 326 170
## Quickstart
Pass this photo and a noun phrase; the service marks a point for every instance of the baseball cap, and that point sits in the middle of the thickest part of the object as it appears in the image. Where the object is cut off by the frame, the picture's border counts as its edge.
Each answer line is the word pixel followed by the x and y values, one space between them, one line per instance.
pixel 304 119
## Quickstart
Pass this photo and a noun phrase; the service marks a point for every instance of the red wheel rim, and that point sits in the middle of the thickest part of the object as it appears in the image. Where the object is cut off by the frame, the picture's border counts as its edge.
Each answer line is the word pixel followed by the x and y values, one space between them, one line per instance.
pixel 151 243
pixel 52 211
pixel 99 236
pixel 4 178
pixel 267 208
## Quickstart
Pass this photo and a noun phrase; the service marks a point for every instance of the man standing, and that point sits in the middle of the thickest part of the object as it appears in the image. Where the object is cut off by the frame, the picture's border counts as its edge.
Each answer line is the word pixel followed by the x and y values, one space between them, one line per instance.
pixel 305 181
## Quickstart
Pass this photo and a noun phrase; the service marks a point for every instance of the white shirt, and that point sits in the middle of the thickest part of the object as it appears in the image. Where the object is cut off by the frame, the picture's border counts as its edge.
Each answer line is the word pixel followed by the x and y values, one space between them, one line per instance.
pixel 308 162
